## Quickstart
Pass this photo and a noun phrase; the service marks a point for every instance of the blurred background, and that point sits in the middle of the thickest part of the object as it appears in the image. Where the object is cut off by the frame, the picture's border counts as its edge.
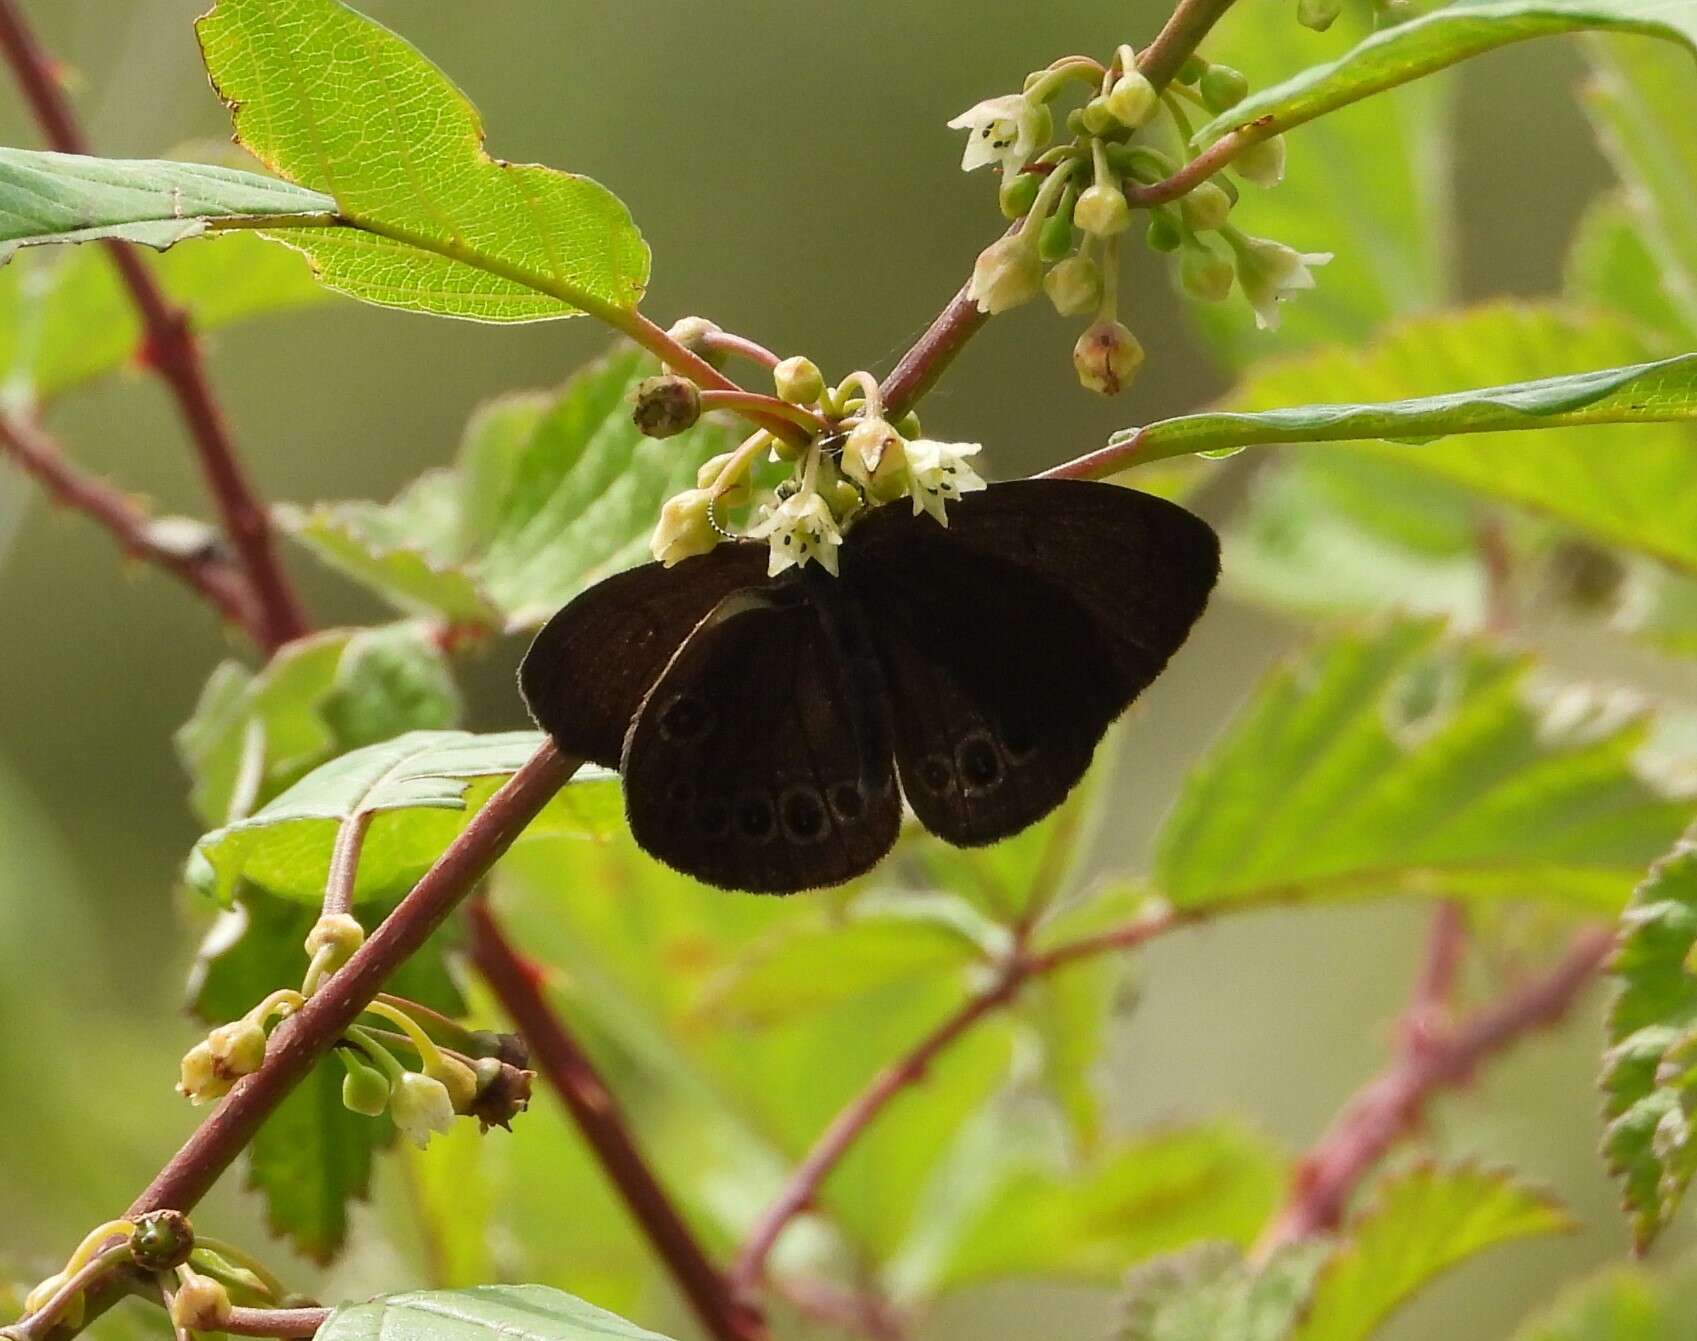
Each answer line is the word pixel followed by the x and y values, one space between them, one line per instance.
pixel 767 150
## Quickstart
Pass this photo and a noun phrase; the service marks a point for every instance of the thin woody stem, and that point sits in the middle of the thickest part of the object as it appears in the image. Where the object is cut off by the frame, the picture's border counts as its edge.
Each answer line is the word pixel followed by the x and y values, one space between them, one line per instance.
pixel 171 352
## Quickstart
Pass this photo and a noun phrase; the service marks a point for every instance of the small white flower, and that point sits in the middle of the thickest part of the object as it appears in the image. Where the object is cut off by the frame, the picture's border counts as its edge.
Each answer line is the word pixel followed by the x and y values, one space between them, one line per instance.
pixel 1270 272
pixel 1008 272
pixel 685 528
pixel 1008 130
pixel 938 474
pixel 798 529
pixel 421 1107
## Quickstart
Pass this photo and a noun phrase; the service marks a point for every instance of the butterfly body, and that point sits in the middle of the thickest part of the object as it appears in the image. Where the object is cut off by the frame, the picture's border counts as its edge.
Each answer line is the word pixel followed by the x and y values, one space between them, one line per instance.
pixel 761 723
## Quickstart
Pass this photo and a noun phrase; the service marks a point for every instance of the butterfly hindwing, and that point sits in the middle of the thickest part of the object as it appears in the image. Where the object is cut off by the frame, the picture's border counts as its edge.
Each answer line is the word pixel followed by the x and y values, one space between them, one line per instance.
pixel 761 759
pixel 1014 638
pixel 586 673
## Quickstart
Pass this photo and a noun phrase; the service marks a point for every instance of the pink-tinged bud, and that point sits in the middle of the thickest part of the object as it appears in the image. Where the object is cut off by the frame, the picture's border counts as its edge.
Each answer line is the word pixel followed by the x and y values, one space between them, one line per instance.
pixel 1107 357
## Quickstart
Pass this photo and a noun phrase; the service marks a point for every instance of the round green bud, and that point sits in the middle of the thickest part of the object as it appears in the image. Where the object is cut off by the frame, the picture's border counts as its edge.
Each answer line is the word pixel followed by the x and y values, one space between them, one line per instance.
pixel 1163 234
pixel 691 333
pixel 908 426
pixel 1054 239
pixel 666 406
pixel 1318 14
pixel 1018 194
pixel 1206 273
pixel 1075 121
pixel 365 1089
pixel 162 1240
pixel 1133 100
pixel 798 381
pixel 1193 69
pixel 1099 119
pixel 1102 211
pixel 1263 162
pixel 1223 87
pixel 1074 286
pixel 1206 207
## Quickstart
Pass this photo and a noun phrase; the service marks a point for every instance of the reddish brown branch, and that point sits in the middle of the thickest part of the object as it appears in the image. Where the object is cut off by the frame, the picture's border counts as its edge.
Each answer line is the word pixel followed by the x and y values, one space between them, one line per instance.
pixel 282 1322
pixel 205 570
pixel 517 983
pixel 308 1034
pixel 171 352
pixel 1389 1108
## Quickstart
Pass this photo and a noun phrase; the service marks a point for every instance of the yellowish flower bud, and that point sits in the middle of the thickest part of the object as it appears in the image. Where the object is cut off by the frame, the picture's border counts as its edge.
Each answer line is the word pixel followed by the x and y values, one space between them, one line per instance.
pixel 1133 100
pixel 200 1304
pixel 1206 207
pixel 1107 357
pixel 1263 162
pixel 798 381
pixel 876 457
pixel 1102 211
pixel 1009 272
pixel 690 332
pixel 338 929
pixel 238 1048
pixel 199 1077
pixel 1074 286
pixel 685 529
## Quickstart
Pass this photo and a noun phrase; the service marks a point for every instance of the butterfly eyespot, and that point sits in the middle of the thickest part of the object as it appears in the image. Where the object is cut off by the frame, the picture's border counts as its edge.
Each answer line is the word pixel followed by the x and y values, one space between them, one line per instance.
pixel 847 801
pixel 936 773
pixel 803 815
pixel 685 719
pixel 979 762
pixel 712 817
pixel 755 819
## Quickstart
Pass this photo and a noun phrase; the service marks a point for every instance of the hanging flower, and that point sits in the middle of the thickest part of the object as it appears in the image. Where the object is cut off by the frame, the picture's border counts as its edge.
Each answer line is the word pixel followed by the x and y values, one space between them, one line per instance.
pixel 938 474
pixel 420 1107
pixel 685 528
pixel 1008 130
pixel 875 456
pixel 1270 272
pixel 799 529
pixel 1009 272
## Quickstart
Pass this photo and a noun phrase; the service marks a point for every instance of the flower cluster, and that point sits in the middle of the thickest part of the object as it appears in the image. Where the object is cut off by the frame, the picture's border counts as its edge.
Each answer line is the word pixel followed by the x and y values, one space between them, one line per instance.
pixel 1072 202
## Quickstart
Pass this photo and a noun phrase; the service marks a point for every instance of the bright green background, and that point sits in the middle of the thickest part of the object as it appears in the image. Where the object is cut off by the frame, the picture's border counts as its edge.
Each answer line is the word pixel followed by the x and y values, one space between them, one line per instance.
pixel 762 172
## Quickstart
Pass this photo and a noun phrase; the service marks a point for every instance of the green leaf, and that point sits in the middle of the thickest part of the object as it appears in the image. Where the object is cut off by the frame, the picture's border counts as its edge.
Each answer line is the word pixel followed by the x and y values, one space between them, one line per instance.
pixel 1390 234
pixel 482 1313
pixel 328 98
pixel 1398 761
pixel 1420 1224
pixel 47 198
pixel 1646 1070
pixel 252 735
pixel 1626 486
pixel 1210 1293
pixel 1141 1197
pixel 421 788
pixel 1642 99
pixel 1614 266
pixel 550 494
pixel 1417 48
pixel 66 320
pixel 1622 1304
pixel 311 1158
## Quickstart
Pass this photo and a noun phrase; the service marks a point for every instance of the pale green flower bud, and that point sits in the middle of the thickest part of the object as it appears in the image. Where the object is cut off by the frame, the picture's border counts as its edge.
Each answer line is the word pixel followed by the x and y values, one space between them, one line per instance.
pixel 1263 162
pixel 1107 357
pixel 666 406
pixel 685 528
pixel 1193 69
pixel 1163 234
pixel 1318 14
pixel 1008 272
pixel 798 381
pixel 1054 238
pixel 238 1048
pixel 1102 211
pixel 1074 286
pixel 1223 88
pixel 200 1304
pixel 365 1089
pixel 691 333
pixel 876 457
pixel 1206 273
pixel 338 929
pixel 420 1107
pixel 1018 194
pixel 456 1077
pixel 1205 207
pixel 1099 118
pixel 1133 99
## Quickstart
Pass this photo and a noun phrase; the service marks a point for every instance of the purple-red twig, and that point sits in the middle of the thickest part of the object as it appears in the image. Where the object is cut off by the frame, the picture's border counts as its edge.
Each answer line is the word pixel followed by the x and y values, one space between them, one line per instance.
pixel 517 983
pixel 170 350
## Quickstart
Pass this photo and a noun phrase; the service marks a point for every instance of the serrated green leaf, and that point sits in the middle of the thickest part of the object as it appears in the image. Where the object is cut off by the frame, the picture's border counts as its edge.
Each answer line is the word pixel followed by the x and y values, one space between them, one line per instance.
pixel 421 789
pixel 330 99
pixel 1415 49
pixel 1625 485
pixel 49 198
pixel 1419 1225
pixel 1390 234
pixel 1643 99
pixel 311 1158
pixel 1623 1304
pixel 1210 1293
pixel 1613 266
pixel 549 495
pixel 66 320
pixel 1400 762
pixel 1141 1197
pixel 252 735
pixel 1645 1077
pixel 482 1313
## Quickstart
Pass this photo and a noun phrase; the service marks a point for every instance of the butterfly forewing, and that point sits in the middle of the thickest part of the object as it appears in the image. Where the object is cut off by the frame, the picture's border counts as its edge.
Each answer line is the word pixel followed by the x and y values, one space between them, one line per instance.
pixel 761 758
pixel 592 664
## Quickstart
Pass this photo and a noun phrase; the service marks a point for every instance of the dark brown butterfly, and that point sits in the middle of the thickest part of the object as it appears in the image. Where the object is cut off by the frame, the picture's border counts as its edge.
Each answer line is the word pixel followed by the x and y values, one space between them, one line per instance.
pixel 760 723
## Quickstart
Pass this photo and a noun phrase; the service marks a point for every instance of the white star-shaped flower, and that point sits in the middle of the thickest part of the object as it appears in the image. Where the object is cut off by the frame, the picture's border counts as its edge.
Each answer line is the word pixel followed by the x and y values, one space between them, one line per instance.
pixel 799 529
pixel 420 1107
pixel 1270 272
pixel 938 474
pixel 1007 130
